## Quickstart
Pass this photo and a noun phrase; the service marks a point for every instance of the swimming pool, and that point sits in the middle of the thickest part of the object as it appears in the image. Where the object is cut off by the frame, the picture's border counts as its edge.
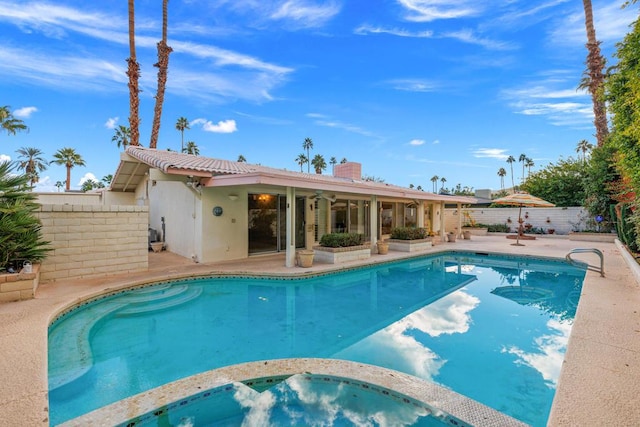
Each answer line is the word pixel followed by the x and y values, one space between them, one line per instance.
pixel 491 328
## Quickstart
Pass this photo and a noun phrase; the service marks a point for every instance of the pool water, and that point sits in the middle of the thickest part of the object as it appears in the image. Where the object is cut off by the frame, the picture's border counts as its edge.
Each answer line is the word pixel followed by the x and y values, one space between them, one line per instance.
pixel 492 328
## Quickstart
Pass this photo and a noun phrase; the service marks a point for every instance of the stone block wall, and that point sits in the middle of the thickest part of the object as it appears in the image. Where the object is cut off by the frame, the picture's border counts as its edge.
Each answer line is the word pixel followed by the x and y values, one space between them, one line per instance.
pixel 19 286
pixel 94 240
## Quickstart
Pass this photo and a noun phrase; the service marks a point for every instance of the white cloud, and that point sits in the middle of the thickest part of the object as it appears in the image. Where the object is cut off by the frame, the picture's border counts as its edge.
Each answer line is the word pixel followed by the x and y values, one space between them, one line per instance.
pixel 344 126
pixel 24 112
pixel 417 142
pixel 431 10
pixel 87 177
pixel 469 36
pixel 111 122
pixel 223 126
pixel 436 141
pixel 413 85
pixel 305 14
pixel 367 29
pixel 5 158
pixel 494 153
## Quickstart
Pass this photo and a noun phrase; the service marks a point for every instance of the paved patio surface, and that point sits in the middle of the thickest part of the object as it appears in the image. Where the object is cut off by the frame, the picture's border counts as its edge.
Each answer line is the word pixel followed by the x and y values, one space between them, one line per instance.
pixel 599 383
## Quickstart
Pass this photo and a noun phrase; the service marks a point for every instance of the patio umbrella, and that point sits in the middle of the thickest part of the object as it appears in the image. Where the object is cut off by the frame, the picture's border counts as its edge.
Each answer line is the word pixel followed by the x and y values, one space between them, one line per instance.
pixel 521 199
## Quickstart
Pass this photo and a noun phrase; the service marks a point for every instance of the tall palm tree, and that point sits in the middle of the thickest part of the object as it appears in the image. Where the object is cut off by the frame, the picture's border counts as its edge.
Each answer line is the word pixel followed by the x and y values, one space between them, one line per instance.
pixel 529 164
pixel 69 158
pixel 163 64
pixel 31 162
pixel 319 164
pixel 595 66
pixel 307 145
pixel 502 172
pixel 301 160
pixel 434 180
pixel 181 125
pixel 442 180
pixel 59 185
pixel 241 159
pixel 584 146
pixel 333 161
pixel 522 159
pixel 10 124
pixel 510 160
pixel 133 71
pixel 191 148
pixel 122 137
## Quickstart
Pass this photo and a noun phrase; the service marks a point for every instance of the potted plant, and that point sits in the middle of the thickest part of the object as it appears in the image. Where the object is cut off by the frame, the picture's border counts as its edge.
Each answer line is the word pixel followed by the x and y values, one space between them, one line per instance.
pixel 409 239
pixel 383 247
pixel 305 258
pixel 451 237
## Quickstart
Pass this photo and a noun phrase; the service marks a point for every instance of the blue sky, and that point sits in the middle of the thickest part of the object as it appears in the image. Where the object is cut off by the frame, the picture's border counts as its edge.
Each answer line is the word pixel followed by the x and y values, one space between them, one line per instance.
pixel 409 88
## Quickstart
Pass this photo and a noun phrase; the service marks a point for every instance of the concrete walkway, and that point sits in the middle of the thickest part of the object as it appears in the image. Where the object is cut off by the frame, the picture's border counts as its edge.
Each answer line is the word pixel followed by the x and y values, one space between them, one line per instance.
pixel 599 382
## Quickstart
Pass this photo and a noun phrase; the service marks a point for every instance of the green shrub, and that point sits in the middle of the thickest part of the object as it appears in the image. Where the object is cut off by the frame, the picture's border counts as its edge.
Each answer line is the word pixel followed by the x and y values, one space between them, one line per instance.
pixel 341 240
pixel 20 230
pixel 499 228
pixel 409 233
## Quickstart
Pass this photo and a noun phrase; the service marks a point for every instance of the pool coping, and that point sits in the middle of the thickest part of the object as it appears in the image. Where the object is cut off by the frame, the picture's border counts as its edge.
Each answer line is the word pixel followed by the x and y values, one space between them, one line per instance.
pixel 433 396
pixel 600 373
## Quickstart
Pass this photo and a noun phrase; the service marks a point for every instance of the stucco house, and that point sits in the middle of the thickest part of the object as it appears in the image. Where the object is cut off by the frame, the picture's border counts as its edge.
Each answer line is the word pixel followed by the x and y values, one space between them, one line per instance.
pixel 213 210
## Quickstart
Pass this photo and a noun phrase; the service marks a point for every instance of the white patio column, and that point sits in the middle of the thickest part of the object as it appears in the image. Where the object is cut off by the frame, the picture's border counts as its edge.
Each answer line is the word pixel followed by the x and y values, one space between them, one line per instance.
pixel 459 219
pixel 373 220
pixel 443 236
pixel 420 214
pixel 290 257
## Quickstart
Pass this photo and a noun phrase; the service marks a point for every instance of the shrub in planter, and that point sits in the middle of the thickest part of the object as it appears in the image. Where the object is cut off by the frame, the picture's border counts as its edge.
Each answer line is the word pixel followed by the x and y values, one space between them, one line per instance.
pixel 499 228
pixel 409 233
pixel 20 230
pixel 341 240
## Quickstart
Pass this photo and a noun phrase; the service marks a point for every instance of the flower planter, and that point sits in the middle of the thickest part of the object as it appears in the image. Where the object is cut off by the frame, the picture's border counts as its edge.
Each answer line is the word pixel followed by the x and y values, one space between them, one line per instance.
pixel 409 245
pixel 451 237
pixel 466 234
pixel 383 247
pixel 305 258
pixel 340 255
pixel 476 231
pixel 19 286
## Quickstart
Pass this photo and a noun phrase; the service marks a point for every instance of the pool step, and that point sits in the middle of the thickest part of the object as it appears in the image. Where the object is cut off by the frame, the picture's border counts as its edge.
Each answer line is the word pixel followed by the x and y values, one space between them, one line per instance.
pixel 182 297
pixel 154 293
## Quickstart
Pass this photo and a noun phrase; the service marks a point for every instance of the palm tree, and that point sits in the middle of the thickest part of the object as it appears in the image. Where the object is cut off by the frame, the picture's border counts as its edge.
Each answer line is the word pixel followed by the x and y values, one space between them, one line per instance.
pixel 241 159
pixel 419 187
pixel 442 180
pixel 333 161
pixel 191 148
pixel 68 158
pixel 343 161
pixel 107 179
pixel 133 71
pixel 595 66
pixel 181 125
pixel 523 159
pixel 434 180
pixel 529 164
pixel 319 163
pixel 59 185
pixel 502 172
pixel 301 160
pixel 510 160
pixel 307 145
pixel 584 146
pixel 32 163
pixel 10 124
pixel 122 136
pixel 163 64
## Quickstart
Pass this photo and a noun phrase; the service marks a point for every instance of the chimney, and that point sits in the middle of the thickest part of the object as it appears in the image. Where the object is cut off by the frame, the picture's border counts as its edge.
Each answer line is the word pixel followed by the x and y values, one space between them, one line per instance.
pixel 349 170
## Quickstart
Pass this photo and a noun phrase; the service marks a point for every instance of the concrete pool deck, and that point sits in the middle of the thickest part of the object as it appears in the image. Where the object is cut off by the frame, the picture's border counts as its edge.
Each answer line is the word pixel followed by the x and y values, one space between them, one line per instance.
pixel 599 382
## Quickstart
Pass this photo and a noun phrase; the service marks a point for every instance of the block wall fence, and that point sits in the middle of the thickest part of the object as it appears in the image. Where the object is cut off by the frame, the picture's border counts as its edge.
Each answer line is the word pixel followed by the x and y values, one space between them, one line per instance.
pixel 563 220
pixel 94 240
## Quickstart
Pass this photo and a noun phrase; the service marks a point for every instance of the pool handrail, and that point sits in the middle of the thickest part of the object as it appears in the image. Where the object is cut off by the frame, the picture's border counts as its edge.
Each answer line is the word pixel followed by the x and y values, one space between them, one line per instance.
pixel 589 266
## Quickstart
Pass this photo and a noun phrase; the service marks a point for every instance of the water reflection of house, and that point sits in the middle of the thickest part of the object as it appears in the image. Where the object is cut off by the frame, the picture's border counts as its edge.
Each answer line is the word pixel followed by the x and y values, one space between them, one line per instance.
pixel 216 210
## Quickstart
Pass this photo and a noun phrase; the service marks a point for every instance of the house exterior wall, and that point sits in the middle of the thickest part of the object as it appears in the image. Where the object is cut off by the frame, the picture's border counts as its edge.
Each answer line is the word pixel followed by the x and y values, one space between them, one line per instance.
pixel 563 220
pixel 225 237
pixel 93 240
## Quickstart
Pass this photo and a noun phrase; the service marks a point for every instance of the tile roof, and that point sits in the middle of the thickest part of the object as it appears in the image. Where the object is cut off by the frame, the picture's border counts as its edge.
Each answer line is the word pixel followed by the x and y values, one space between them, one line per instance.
pixel 223 172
